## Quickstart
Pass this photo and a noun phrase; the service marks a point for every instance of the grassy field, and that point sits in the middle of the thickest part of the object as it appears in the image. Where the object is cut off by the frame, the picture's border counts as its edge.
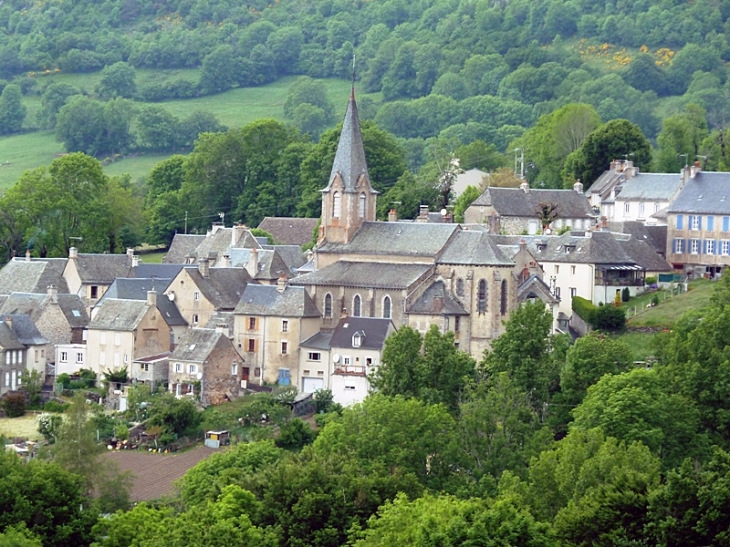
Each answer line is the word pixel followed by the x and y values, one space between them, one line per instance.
pixel 667 312
pixel 24 427
pixel 233 108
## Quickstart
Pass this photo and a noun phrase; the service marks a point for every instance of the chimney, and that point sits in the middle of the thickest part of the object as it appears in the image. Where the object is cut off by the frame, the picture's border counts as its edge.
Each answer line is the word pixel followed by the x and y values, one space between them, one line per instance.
pixel 73 252
pixel 53 293
pixel 9 322
pixel 204 267
pixel 392 216
pixel 222 328
pixel 281 283
pixel 253 263
pixel 343 314
pixel 578 186
pixel 695 170
pixel 135 261
pixel 423 211
pixel 525 187
pixel 130 252
pixel 152 299
pixel 604 223
pixel 226 261
pixel 523 245
pixel 27 255
pixel 237 233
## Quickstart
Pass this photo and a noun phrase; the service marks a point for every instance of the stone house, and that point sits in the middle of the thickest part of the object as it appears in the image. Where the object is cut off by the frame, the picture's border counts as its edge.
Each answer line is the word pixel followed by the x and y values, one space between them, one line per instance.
pixel 206 364
pixel 33 275
pixel 153 370
pixel 21 348
pixel 90 275
pixel 289 230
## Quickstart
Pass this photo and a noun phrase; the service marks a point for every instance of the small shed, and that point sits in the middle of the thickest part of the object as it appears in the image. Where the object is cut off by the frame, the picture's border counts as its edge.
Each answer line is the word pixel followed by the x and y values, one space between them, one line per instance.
pixel 216 439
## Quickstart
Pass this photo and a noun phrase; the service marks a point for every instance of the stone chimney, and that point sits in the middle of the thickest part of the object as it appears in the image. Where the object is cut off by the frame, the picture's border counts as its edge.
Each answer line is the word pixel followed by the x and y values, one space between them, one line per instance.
pixel 525 187
pixel 130 252
pixel 152 299
pixel 204 267
pixel 578 186
pixel 237 233
pixel 695 169
pixel 135 261
pixel 253 263
pixel 422 214
pixel 282 283
pixel 392 216
pixel 53 293
pixel 226 261
pixel 27 255
pixel 73 252
pixel 604 223
pixel 494 223
pixel 523 245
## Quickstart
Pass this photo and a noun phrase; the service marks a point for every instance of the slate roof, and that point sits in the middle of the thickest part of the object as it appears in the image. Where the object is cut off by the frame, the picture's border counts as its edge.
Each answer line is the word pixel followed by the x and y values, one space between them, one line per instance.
pixel 644 255
pixel 223 287
pixel 396 238
pixel 474 247
pixel 349 159
pixel 163 271
pixel 33 276
pixel 706 193
pixel 268 301
pixel 604 183
pixel 8 339
pixel 365 274
pixel 654 236
pixel 374 331
pixel 320 340
pixel 102 269
pixel 71 306
pixel 650 186
pixel 290 230
pixel 137 288
pixel 220 318
pixel 270 263
pixel 291 255
pixel 515 202
pixel 436 300
pixel 196 345
pixel 181 246
pixel 121 315
pixel 534 287
pixel 24 329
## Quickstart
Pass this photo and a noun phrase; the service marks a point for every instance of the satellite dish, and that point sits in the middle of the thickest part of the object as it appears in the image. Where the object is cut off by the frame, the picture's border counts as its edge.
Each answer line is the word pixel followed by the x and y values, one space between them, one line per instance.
pixel 336 358
pixel 199 375
pixel 443 212
pixel 171 296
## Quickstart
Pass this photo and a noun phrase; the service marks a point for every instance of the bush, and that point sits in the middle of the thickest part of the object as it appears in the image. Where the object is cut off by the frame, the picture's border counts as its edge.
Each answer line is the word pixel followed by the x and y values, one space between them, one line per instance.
pixel 55 407
pixel 651 280
pixel 655 300
pixel 583 308
pixel 14 405
pixel 609 319
pixel 625 294
pixel 295 435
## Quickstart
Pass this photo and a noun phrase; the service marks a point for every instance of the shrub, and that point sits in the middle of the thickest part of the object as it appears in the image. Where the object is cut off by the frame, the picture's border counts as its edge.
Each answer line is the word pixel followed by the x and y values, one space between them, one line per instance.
pixel 610 319
pixel 651 280
pixel 14 405
pixel 655 300
pixel 625 294
pixel 583 308
pixel 295 435
pixel 55 407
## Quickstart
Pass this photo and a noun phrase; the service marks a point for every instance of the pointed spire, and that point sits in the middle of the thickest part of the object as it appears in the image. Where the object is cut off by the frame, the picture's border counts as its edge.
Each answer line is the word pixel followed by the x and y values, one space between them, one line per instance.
pixel 350 156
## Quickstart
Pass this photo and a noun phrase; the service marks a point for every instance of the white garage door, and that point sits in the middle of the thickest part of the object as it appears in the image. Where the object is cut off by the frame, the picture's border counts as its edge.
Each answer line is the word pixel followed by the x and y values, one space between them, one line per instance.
pixel 310 385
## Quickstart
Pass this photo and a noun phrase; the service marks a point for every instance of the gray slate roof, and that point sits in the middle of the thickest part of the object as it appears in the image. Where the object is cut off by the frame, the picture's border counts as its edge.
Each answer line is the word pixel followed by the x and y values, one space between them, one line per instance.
pixel 102 268
pixel 605 182
pixel 163 271
pixel 475 247
pixel 706 193
pixel 320 340
pixel 196 345
pixel 654 236
pixel 374 331
pixel 181 246
pixel 644 255
pixel 33 276
pixel 291 256
pixel 396 238
pixel 121 315
pixel 651 186
pixel 137 288
pixel 365 274
pixel 534 287
pixel 71 306
pixel 289 230
pixel 266 300
pixel 349 159
pixel 436 300
pixel 515 202
pixel 8 339
pixel 24 329
pixel 223 287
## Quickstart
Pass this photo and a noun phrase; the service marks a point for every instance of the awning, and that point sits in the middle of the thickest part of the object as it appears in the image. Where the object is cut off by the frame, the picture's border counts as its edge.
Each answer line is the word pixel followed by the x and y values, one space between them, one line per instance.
pixel 623 267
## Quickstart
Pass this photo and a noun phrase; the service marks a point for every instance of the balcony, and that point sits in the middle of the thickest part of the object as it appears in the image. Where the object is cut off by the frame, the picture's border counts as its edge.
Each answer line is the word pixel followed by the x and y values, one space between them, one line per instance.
pixel 350 370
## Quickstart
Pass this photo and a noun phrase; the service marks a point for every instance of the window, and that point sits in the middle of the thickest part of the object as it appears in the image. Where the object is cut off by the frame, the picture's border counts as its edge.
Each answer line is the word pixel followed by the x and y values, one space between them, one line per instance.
pixel 361 206
pixel 627 208
pixel 350 388
pixel 695 222
pixel 694 246
pixel 725 247
pixel 102 358
pixel 196 296
pixel 557 269
pixel 356 340
pixel 726 224
pixel 641 209
pixel 79 357
pixel 7 357
pixel 573 292
pixel 234 369
pixel 456 323
pixel 386 307
pixel 64 357
pixel 195 319
pixel 678 246
pixel 557 292
pixel 251 323
pixel 145 367
pixel 356 305
pixel 102 339
pixel 346 360
pixel 284 348
pixel 336 205
pixel 328 305
pixel 710 246
pixel 251 346
pixel 572 270
pixel 680 222
pixel 192 369
pixel 369 361
pixel 284 325
pixel 482 297
pixel 314 356
pixel 94 291
pixel 14 356
pixel 117 339
pixel 656 207
pixel 710 224
pixel 503 298
pixel 460 287
pixel 126 358
pixel 7 379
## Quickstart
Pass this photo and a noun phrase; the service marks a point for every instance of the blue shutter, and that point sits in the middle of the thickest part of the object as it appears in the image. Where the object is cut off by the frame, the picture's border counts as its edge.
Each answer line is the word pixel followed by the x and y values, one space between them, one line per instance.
pixel 680 221
pixel 726 224
pixel 699 222
pixel 674 246
pixel 710 224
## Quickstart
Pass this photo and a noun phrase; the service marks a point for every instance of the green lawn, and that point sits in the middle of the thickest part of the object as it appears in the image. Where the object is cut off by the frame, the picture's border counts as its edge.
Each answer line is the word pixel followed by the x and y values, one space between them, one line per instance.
pixel 27 151
pixel 667 312
pixel 137 166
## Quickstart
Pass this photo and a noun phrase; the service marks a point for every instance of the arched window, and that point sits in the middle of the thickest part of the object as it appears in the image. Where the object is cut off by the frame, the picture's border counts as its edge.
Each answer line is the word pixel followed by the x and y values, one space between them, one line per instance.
pixel 460 287
pixel 356 305
pixel 386 307
pixel 336 205
pixel 361 206
pixel 328 305
pixel 503 298
pixel 482 304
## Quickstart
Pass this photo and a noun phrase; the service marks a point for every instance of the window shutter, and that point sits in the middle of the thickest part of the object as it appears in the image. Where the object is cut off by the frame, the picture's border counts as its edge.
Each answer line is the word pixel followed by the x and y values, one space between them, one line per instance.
pixel 725 224
pixel 674 246
pixel 710 224
pixel 699 222
pixel 256 345
pixel 680 222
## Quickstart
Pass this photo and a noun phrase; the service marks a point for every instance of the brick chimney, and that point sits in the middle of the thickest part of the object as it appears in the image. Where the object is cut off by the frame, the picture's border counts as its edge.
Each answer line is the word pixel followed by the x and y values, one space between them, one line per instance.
pixel 152 299
pixel 204 267
pixel 392 216
pixel 695 170
pixel 282 283
pixel 53 293
pixel 27 255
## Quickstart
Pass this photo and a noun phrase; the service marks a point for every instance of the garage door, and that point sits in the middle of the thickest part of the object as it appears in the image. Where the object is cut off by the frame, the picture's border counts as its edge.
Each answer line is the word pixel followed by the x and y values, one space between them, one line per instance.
pixel 310 385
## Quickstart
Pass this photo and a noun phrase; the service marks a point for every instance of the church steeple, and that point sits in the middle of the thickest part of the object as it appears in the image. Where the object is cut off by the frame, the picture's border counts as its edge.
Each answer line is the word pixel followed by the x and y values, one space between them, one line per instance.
pixel 349 199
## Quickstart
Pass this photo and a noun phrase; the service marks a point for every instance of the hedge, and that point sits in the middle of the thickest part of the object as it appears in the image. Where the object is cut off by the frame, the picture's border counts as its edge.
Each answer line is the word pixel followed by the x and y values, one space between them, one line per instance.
pixel 583 308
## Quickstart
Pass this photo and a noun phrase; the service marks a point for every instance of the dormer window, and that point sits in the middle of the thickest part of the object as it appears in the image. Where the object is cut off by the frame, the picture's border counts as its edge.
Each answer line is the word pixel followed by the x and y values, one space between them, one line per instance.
pixel 357 340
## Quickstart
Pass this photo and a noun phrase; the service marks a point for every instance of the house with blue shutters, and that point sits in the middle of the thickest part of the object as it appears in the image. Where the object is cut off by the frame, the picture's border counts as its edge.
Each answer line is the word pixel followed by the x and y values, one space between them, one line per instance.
pixel 698 231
